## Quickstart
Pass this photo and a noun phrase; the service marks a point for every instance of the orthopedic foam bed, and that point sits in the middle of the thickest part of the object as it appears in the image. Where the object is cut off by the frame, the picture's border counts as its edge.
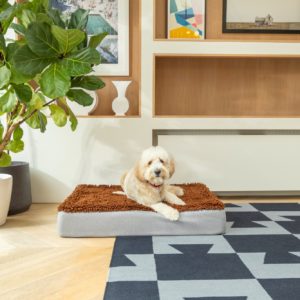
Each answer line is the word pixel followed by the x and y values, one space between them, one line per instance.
pixel 93 211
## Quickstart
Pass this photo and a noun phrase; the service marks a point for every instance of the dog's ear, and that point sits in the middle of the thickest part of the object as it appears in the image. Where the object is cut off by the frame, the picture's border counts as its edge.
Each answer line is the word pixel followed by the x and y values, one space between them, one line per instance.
pixel 172 166
pixel 138 171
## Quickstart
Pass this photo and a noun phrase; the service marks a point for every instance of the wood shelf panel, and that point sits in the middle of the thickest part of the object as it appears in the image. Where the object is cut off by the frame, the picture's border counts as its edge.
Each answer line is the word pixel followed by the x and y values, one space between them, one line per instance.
pixel 107 94
pixel 227 86
pixel 214 17
pixel 160 19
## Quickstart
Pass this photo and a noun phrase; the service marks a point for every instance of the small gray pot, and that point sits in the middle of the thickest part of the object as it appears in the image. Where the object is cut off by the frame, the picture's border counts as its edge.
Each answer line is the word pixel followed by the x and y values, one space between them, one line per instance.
pixel 21 198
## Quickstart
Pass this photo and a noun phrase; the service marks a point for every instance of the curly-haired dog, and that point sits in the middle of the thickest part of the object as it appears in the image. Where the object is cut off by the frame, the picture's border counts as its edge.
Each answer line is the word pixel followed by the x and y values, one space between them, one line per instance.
pixel 146 184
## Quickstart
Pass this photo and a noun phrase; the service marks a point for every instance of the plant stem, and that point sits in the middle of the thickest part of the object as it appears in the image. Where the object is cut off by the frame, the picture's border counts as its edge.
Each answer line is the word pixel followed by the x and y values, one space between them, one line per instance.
pixel 11 127
pixel 7 137
pixel 35 111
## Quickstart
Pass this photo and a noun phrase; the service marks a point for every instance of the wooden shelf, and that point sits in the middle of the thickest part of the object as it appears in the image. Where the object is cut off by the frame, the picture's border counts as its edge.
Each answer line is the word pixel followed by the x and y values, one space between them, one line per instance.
pixel 107 117
pixel 107 94
pixel 226 86
pixel 214 14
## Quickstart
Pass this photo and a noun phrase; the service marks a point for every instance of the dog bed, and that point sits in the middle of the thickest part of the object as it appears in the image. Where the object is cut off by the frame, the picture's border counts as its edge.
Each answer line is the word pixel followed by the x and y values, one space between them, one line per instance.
pixel 94 211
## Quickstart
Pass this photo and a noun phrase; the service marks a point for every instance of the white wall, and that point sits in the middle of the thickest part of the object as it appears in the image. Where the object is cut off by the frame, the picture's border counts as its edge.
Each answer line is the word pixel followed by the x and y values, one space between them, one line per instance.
pixel 102 149
pixel 97 153
pixel 247 10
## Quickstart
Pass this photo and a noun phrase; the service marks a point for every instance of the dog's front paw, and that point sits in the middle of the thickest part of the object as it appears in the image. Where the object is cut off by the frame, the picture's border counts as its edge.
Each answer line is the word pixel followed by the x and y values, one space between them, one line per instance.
pixel 173 199
pixel 172 214
pixel 179 202
pixel 180 192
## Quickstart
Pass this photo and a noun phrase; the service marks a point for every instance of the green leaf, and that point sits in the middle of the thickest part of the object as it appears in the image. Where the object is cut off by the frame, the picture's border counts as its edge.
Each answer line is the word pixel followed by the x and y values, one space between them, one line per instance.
pixel 28 63
pixel 41 40
pixel 23 92
pixel 44 18
pixel 55 82
pixel 18 28
pixel 81 62
pixel 68 39
pixel 4 4
pixel 91 83
pixel 7 16
pixel 37 101
pixel 38 6
pixel 54 14
pixel 5 160
pixel 4 76
pixel 43 121
pixel 96 40
pixel 58 115
pixel 84 43
pixel 11 50
pixel 26 17
pixel 17 77
pixel 73 120
pixel 15 146
pixel 79 19
pixel 80 97
pixel 62 102
pixel 37 121
pixel 8 101
pixel 34 121
pixel 18 134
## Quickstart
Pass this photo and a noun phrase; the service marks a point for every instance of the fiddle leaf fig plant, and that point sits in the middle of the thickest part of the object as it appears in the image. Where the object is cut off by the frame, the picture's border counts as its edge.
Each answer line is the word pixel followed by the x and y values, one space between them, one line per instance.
pixel 46 66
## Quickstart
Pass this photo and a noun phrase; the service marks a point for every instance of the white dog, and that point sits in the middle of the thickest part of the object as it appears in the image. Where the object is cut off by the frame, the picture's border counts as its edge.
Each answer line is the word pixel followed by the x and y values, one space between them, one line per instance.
pixel 146 184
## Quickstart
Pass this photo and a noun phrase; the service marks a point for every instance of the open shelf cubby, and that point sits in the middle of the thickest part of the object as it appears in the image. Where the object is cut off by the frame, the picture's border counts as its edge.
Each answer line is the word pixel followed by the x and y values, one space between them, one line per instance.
pixel 214 16
pixel 226 86
pixel 107 94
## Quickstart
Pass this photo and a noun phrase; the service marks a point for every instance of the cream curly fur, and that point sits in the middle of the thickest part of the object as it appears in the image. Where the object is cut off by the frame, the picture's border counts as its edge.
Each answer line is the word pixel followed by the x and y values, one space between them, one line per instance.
pixel 146 184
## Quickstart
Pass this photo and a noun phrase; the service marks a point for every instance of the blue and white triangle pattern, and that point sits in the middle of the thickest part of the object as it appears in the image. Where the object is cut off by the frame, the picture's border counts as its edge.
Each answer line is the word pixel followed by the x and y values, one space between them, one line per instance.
pixel 257 259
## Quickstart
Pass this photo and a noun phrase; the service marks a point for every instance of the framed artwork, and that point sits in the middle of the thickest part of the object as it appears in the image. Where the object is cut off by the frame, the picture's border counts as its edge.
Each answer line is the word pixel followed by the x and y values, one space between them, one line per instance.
pixel 186 19
pixel 111 16
pixel 261 16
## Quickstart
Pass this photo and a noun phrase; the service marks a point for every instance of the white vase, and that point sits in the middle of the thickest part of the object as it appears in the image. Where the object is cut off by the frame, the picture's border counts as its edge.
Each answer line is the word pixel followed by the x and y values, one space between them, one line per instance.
pixel 120 104
pixel 5 196
pixel 80 110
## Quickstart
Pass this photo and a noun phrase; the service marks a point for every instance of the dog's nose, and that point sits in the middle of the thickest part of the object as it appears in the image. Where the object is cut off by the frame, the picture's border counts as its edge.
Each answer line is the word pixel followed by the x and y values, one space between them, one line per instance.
pixel 157 172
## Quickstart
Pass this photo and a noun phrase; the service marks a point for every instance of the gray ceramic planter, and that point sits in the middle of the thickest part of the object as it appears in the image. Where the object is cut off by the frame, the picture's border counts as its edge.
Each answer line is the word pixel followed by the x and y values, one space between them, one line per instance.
pixel 21 199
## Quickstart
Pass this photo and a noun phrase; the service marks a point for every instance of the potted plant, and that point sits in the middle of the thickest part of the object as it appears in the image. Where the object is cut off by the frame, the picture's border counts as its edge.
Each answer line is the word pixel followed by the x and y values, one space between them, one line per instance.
pixel 45 67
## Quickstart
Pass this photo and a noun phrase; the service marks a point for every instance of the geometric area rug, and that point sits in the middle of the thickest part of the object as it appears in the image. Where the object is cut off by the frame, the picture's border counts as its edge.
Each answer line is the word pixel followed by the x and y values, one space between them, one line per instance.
pixel 257 259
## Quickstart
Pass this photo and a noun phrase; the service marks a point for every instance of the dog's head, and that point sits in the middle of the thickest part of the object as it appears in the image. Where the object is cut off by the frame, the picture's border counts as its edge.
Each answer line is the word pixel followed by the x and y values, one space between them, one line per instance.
pixel 155 166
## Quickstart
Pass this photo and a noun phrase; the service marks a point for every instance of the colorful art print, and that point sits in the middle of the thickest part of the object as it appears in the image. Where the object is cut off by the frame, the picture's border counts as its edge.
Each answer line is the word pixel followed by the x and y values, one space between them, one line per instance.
pixel 111 16
pixel 186 19
pixel 261 16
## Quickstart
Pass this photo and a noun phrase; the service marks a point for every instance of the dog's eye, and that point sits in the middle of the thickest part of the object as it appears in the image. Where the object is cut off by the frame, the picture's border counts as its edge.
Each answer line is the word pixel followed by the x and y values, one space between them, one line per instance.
pixel 162 161
pixel 150 162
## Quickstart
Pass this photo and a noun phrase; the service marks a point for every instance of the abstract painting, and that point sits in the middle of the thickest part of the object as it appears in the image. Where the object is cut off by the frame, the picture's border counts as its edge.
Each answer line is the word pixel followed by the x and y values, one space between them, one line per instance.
pixel 112 17
pixel 186 19
pixel 261 16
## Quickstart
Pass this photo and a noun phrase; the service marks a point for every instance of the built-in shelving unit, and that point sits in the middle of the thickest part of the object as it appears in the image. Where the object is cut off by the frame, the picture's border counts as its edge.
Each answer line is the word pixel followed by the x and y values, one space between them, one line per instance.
pixel 229 75
pixel 107 94
pixel 226 86
pixel 214 12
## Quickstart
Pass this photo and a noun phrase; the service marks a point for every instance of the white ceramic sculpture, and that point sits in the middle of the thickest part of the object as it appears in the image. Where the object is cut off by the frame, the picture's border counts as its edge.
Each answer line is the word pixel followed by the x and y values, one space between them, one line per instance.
pixel 120 104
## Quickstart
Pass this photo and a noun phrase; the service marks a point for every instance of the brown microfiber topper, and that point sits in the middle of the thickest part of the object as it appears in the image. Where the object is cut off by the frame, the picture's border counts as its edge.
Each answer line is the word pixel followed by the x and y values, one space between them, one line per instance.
pixel 91 198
